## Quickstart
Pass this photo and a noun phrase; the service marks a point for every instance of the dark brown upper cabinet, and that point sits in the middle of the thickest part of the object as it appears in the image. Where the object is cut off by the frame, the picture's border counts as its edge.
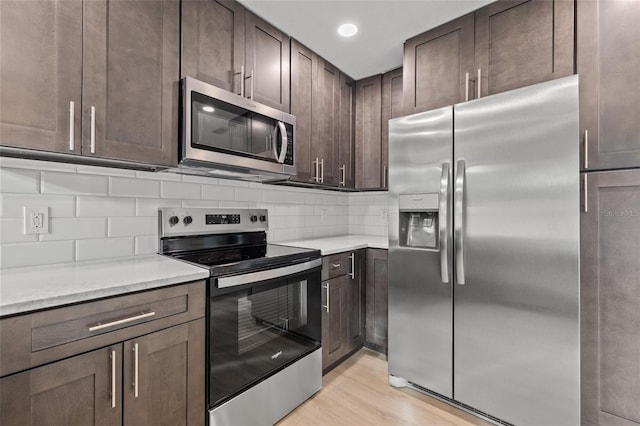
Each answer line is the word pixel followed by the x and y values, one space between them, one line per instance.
pixel 368 147
pixel 519 43
pixel 347 127
pixel 213 42
pixel 438 66
pixel 303 75
pixel 131 64
pixel 225 45
pixel 267 51
pixel 502 46
pixel 41 75
pixel 326 123
pixel 608 43
pixel 392 107
pixel 101 82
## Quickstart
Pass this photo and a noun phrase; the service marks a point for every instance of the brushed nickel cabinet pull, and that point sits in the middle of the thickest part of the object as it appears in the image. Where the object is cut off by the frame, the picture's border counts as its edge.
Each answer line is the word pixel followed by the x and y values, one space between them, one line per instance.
pixel 479 83
pixel 100 326
pixel 113 378
pixel 135 370
pixel 343 175
pixel 326 287
pixel 335 265
pixel 72 127
pixel 352 274
pixel 384 175
pixel 316 177
pixel 586 199
pixel 322 170
pixel 93 130
pixel 466 87
pixel 586 149
pixel 242 80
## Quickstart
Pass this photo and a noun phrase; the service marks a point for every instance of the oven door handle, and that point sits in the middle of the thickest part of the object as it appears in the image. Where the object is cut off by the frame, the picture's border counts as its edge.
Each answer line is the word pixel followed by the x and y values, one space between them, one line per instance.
pixel 268 274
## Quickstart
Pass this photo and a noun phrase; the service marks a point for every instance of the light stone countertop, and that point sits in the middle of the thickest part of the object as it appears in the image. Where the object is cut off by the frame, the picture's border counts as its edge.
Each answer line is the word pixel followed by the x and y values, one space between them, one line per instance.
pixel 331 245
pixel 31 288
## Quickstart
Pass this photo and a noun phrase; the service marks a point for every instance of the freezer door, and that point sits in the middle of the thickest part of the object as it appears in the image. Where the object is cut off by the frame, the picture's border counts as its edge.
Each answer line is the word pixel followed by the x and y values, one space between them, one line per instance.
pixel 419 265
pixel 516 308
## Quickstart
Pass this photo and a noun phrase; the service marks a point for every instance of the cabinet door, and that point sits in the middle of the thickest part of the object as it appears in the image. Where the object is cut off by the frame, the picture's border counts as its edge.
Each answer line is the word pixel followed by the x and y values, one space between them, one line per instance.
pixel 266 63
pixel 303 74
pixel 41 74
pixel 75 391
pixel 326 122
pixel 213 42
pixel 347 126
pixel 608 60
pixel 391 108
pixel 355 335
pixel 610 297
pixel 335 317
pixel 376 300
pixel 436 64
pixel 130 76
pixel 164 377
pixel 519 43
pixel 368 142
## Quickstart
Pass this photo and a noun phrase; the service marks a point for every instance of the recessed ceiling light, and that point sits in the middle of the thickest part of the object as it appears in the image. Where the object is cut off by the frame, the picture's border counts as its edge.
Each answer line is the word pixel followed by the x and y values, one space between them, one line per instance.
pixel 347 30
pixel 208 108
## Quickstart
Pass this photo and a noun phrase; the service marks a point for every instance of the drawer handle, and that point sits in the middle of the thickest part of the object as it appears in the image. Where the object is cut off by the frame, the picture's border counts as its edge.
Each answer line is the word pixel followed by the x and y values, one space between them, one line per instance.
pixel 113 378
pixel 335 265
pixel 100 326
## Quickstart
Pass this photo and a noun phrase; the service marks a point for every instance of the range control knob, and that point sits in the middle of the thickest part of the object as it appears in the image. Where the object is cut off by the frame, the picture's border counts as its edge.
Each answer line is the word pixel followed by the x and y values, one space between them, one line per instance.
pixel 254 218
pixel 173 220
pixel 263 218
pixel 187 220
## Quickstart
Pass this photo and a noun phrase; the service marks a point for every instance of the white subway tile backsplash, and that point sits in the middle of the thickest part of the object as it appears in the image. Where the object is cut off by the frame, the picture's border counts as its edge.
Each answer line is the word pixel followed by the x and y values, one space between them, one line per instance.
pixel 248 194
pixel 19 180
pixel 186 191
pixel 99 212
pixel 75 228
pixel 200 203
pixel 11 205
pixel 23 163
pixel 218 193
pixel 128 187
pixel 132 226
pixel 41 253
pixel 146 244
pixel 105 206
pixel 12 231
pixel 102 248
pixel 73 184
pixel 150 206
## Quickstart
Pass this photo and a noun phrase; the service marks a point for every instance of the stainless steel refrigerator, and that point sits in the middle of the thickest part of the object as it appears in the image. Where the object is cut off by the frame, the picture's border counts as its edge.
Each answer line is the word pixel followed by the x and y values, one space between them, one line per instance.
pixel 484 254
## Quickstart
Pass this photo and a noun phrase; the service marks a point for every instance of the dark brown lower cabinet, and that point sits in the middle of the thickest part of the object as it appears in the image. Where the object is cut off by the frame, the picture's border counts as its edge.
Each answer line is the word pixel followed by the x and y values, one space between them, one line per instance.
pixel 610 299
pixel 157 379
pixel 376 301
pixel 343 276
pixel 75 391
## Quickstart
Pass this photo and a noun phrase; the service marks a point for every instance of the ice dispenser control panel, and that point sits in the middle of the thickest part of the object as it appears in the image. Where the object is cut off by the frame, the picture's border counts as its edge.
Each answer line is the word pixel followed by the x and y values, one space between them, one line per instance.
pixel 419 220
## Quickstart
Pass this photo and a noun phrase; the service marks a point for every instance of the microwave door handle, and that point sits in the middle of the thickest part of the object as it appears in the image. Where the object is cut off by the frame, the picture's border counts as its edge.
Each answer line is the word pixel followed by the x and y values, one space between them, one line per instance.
pixel 285 142
pixel 274 145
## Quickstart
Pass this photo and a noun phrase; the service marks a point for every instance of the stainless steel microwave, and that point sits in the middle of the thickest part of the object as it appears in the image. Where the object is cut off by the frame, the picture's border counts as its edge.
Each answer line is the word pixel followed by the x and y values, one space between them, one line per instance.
pixel 224 134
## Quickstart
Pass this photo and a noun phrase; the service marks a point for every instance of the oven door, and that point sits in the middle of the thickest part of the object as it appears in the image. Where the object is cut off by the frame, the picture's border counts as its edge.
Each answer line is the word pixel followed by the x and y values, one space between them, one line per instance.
pixel 259 328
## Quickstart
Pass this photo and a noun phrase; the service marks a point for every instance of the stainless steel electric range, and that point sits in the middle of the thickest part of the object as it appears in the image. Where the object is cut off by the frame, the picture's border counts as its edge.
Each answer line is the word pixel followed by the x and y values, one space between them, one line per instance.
pixel 263 312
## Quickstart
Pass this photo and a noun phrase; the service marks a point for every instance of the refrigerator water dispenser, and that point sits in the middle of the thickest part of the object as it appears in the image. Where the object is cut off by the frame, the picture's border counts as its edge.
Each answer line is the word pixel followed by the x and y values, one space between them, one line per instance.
pixel 419 220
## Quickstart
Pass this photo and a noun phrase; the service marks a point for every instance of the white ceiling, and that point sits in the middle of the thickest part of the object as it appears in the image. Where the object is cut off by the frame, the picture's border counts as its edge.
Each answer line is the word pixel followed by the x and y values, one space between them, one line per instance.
pixel 383 25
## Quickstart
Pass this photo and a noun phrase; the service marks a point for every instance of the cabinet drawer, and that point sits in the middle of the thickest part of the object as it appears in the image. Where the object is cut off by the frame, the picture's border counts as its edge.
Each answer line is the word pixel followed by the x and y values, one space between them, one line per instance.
pixel 336 265
pixel 54 334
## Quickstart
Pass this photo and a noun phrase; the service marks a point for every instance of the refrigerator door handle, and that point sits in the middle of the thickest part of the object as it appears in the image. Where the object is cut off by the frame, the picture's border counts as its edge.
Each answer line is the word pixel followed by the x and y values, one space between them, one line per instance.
pixel 444 216
pixel 459 221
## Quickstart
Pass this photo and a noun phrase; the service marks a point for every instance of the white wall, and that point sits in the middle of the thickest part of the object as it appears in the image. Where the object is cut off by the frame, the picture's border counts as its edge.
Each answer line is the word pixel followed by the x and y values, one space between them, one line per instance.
pixel 98 212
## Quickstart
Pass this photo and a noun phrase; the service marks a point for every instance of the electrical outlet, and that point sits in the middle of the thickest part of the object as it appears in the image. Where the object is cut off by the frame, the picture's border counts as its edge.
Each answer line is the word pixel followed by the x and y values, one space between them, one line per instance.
pixel 36 220
pixel 384 214
pixel 323 215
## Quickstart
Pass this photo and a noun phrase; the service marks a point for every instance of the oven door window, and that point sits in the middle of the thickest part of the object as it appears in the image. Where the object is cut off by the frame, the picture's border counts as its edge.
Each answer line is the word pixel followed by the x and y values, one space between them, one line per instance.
pixel 257 331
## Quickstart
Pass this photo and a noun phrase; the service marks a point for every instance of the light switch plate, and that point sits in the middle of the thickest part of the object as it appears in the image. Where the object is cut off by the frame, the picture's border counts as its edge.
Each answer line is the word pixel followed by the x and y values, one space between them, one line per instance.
pixel 36 220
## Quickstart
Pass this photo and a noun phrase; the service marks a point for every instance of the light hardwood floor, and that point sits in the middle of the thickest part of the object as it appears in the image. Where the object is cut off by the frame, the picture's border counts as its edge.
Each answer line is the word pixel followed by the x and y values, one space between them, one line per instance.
pixel 357 392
